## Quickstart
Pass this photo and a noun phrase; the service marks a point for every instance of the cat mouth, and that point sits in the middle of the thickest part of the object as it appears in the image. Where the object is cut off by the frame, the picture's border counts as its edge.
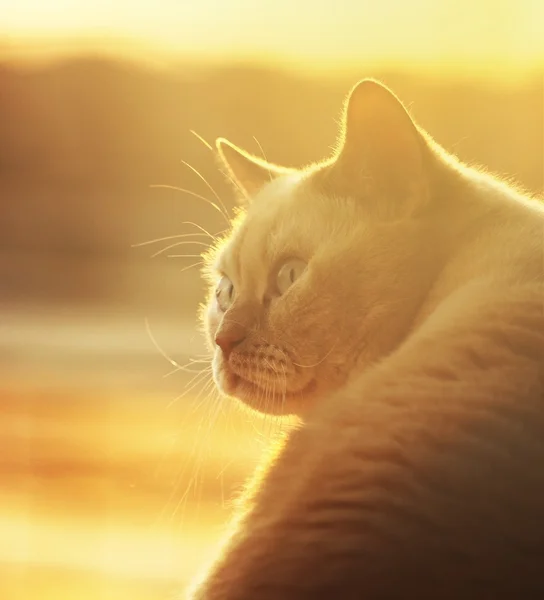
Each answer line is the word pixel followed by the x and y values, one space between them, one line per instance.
pixel 266 400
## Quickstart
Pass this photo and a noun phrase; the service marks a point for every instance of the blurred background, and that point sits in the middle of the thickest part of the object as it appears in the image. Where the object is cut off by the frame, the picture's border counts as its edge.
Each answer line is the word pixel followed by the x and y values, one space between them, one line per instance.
pixel 117 461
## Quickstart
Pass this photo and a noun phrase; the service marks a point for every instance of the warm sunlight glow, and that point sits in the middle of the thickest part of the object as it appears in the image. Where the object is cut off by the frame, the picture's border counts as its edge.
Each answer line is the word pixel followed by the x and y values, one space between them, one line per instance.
pixel 489 35
pixel 119 461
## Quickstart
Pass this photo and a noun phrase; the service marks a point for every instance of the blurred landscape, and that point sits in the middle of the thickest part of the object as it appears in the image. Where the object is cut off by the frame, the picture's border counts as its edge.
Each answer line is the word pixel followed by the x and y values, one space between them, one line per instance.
pixel 83 140
pixel 117 466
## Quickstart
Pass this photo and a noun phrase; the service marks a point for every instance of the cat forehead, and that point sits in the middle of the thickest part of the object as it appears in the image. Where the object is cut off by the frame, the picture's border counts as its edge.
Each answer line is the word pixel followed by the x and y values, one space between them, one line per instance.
pixel 289 217
pixel 277 195
pixel 270 219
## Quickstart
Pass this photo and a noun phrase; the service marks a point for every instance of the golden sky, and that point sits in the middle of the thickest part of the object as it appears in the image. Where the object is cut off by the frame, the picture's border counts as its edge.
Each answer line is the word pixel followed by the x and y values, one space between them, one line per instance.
pixel 493 33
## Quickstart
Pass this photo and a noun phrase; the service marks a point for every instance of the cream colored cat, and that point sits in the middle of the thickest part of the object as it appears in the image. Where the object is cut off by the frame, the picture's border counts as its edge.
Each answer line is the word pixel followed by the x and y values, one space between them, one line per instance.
pixel 394 299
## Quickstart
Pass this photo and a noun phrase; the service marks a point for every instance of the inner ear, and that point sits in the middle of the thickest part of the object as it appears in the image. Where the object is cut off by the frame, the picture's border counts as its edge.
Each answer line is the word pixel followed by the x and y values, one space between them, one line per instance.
pixel 247 172
pixel 381 148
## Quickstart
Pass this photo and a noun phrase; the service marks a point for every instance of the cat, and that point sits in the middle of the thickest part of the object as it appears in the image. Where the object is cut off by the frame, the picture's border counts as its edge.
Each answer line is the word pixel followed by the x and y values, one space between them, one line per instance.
pixel 392 298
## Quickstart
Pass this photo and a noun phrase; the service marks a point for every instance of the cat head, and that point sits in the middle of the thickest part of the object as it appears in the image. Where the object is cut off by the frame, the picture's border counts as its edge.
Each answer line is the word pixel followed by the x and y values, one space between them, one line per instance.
pixel 324 267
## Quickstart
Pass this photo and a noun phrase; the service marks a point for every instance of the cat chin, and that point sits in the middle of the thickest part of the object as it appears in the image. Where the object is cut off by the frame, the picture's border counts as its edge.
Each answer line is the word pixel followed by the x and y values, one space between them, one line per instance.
pixel 253 396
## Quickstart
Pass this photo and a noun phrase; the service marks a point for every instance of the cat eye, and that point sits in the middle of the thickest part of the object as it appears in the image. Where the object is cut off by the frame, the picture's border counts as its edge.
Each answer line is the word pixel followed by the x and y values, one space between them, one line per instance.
pixel 289 272
pixel 224 293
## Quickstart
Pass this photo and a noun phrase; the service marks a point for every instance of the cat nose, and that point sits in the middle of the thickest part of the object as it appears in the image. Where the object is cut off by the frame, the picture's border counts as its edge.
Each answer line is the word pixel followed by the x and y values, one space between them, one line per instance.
pixel 228 336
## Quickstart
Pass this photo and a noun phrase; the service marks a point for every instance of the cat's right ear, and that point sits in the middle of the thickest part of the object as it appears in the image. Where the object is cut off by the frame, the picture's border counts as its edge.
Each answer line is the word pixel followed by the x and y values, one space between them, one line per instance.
pixel 248 173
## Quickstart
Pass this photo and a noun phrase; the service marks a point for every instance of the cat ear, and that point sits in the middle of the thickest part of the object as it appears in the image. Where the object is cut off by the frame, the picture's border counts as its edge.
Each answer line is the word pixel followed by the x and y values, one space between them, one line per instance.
pixel 248 173
pixel 382 150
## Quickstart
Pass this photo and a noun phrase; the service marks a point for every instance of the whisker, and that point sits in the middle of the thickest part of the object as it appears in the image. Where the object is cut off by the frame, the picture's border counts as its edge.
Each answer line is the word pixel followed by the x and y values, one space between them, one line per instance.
pixel 264 155
pixel 182 243
pixel 208 185
pixel 196 380
pixel 164 457
pixel 207 387
pixel 235 184
pixel 184 255
pixel 225 467
pixel 168 237
pixel 284 391
pixel 213 237
pixel 191 193
pixel 318 362
pixel 200 262
pixel 196 452
pixel 158 347
pixel 199 137
pixel 184 368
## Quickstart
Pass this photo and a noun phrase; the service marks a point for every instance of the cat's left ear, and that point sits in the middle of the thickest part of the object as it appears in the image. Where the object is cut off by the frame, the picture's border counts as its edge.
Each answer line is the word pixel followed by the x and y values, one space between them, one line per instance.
pixel 382 151
pixel 247 172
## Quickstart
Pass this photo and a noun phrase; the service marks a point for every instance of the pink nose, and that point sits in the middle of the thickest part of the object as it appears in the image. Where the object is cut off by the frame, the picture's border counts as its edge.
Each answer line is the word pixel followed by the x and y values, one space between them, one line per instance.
pixel 228 336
